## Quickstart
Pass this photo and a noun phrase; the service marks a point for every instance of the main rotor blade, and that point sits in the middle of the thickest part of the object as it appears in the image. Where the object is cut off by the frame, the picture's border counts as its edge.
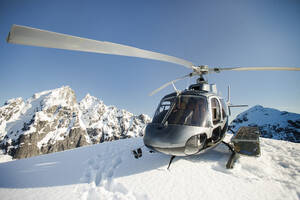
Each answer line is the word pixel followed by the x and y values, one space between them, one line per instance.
pixel 169 83
pixel 255 69
pixel 42 38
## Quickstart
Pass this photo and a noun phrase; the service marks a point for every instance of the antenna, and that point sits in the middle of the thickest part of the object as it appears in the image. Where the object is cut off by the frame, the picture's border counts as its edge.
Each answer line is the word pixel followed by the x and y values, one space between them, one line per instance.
pixel 228 94
pixel 187 83
pixel 177 91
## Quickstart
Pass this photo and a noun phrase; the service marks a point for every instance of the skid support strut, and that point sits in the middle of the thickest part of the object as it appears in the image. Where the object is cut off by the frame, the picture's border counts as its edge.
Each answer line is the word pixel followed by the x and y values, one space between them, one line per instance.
pixel 233 157
pixel 172 158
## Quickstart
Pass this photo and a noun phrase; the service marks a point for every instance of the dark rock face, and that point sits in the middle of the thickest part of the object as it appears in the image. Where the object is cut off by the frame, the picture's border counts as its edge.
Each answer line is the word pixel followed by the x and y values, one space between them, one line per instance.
pixel 53 121
pixel 272 123
pixel 76 138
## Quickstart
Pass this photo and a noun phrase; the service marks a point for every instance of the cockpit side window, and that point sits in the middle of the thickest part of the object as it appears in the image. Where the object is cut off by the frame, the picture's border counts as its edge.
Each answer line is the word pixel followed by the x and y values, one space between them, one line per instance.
pixel 224 108
pixel 216 111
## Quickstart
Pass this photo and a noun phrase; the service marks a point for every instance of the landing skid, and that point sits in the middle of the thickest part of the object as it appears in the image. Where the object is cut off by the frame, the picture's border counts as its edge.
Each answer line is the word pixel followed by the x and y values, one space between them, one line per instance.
pixel 138 153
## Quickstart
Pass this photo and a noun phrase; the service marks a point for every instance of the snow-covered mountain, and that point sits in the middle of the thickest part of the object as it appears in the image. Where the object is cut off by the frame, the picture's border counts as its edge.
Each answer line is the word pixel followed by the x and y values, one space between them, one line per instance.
pixel 52 121
pixel 272 123
pixel 109 171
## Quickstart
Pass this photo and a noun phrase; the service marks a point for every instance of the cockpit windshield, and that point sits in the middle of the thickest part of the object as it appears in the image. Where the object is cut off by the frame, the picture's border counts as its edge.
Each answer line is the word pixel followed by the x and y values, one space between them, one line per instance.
pixel 184 110
pixel 163 108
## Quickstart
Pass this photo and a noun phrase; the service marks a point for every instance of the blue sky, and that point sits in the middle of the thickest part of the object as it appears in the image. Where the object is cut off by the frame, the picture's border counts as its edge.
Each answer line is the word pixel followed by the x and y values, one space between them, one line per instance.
pixel 214 33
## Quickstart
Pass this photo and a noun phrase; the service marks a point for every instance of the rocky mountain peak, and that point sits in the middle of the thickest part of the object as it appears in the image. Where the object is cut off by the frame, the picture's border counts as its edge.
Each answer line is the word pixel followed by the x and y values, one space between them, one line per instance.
pixel 272 123
pixel 63 96
pixel 52 121
pixel 15 101
pixel 90 102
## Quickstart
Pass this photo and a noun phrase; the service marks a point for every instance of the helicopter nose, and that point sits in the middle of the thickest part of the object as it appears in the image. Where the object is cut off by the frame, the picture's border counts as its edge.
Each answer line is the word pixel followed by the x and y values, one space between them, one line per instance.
pixel 170 139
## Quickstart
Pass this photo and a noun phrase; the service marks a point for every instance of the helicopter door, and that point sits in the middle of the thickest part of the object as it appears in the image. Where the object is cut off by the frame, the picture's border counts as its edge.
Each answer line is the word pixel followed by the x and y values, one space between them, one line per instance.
pixel 216 119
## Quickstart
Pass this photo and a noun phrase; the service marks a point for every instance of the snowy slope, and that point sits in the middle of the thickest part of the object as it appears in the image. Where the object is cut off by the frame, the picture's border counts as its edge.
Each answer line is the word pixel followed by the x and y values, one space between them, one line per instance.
pixel 109 171
pixel 272 123
pixel 53 120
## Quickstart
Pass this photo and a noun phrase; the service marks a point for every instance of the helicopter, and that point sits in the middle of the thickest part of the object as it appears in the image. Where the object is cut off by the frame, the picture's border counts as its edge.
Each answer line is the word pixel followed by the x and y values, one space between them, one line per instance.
pixel 185 123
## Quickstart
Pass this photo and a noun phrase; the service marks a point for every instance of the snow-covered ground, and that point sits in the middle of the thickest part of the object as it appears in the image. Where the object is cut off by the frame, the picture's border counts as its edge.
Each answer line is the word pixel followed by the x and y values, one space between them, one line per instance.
pixel 109 171
pixel 4 157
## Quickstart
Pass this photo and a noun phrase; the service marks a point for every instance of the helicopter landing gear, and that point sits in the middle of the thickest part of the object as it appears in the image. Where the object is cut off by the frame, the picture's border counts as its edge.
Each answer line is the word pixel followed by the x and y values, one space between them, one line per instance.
pixel 244 142
pixel 172 158
pixel 233 157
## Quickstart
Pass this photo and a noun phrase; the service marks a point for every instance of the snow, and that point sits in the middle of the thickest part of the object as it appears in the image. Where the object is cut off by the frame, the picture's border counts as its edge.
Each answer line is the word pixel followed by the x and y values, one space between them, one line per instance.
pixel 60 96
pixel 53 136
pixel 4 157
pixel 109 171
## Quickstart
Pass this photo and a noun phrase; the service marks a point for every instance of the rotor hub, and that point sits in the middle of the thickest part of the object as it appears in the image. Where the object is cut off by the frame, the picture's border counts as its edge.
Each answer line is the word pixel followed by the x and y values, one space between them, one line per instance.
pixel 201 69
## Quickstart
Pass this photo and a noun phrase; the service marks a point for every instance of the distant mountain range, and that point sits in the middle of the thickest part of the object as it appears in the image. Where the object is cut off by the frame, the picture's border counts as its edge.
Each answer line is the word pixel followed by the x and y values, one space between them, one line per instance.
pixel 53 121
pixel 272 123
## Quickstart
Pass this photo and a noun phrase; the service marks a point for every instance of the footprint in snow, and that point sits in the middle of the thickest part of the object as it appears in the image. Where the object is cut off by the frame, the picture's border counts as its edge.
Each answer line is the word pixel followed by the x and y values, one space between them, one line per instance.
pixel 99 180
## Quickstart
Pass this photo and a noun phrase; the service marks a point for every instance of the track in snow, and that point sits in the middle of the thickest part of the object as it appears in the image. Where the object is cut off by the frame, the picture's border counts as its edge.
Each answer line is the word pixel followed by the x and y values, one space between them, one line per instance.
pixel 99 175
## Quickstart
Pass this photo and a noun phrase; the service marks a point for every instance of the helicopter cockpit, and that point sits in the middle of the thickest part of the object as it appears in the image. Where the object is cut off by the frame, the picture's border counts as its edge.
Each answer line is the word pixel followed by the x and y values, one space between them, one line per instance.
pixel 180 121
pixel 182 110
